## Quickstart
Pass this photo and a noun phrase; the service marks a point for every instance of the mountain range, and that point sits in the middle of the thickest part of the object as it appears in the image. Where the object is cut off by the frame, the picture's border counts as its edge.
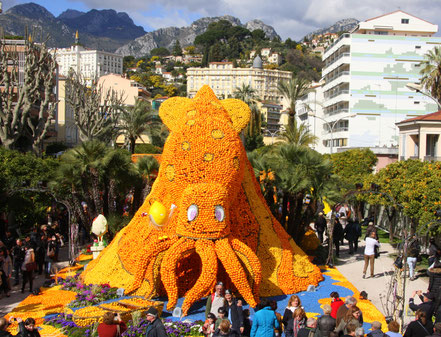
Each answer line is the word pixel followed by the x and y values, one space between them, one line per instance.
pixel 112 31
pixel 344 25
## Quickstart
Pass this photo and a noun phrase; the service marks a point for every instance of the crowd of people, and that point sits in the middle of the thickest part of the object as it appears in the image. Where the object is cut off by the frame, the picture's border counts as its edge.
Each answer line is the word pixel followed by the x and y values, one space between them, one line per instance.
pixel 23 258
pixel 225 317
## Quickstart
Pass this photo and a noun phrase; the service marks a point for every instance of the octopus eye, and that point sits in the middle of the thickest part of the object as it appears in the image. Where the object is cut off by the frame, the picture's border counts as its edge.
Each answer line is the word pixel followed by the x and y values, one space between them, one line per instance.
pixel 219 213
pixel 192 212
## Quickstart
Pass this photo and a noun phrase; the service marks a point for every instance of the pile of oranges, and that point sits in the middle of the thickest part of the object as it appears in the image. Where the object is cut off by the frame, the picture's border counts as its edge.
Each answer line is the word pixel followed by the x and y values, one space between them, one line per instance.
pixel 221 228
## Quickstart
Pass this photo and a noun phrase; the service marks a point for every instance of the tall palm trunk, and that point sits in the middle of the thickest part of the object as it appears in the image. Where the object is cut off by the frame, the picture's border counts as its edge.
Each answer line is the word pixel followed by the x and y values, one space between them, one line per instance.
pixel 97 200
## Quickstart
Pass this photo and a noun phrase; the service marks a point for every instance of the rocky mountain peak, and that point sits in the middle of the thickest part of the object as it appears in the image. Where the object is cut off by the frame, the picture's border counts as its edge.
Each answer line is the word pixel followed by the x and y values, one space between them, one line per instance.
pixel 32 11
pixel 344 25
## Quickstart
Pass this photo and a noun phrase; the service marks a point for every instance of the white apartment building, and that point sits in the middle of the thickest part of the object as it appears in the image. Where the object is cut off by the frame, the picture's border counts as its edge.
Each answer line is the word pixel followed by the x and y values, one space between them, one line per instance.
pixel 89 63
pixel 309 110
pixel 224 79
pixel 365 74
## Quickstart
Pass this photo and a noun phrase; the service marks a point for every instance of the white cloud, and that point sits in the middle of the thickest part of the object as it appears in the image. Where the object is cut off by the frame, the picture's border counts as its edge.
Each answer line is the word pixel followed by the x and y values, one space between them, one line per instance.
pixel 290 18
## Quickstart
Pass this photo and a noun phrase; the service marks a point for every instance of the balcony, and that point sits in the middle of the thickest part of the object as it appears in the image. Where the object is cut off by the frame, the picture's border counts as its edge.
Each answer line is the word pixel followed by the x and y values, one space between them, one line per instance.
pixel 432 158
pixel 335 77
pixel 335 94
pixel 336 111
pixel 343 58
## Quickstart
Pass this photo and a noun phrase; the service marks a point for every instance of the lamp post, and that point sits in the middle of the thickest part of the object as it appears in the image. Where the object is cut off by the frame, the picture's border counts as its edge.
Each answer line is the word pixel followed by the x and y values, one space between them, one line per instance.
pixel 272 134
pixel 419 89
pixel 332 125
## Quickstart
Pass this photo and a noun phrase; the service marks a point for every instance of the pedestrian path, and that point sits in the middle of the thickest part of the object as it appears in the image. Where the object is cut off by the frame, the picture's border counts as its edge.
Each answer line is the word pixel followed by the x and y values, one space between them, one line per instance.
pixel 351 266
pixel 16 296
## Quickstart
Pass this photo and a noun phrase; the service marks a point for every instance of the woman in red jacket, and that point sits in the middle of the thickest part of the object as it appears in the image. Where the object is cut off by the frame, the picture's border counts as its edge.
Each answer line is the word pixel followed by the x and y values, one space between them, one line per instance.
pixel 335 303
pixel 112 325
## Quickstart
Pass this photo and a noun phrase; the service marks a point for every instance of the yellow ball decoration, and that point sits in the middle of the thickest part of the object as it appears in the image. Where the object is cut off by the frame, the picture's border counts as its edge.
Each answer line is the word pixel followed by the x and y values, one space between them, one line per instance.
pixel 158 213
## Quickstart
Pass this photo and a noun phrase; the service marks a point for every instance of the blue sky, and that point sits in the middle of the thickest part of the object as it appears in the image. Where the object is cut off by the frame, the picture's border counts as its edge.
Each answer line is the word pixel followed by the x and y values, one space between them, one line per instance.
pixel 290 18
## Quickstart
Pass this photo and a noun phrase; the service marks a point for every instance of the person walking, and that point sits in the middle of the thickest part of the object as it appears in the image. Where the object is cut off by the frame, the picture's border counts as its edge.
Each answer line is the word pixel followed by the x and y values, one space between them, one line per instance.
pixel 6 270
pixel 337 236
pixel 369 253
pixel 320 226
pixel 412 257
pixel 265 321
pixel 18 254
pixel 351 234
pixel 434 252
pixel 326 323
pixel 28 268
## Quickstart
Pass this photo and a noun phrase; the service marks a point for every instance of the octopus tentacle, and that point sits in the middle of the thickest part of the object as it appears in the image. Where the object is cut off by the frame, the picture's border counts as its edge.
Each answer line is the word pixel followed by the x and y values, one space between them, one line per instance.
pixel 168 268
pixel 232 265
pixel 149 252
pixel 251 261
pixel 206 251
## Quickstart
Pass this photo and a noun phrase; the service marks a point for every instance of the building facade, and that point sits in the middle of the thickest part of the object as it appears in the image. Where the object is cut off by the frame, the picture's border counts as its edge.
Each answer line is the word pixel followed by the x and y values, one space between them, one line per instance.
pixel 90 64
pixel 67 130
pixel 366 73
pixel 419 137
pixel 224 79
pixel 131 91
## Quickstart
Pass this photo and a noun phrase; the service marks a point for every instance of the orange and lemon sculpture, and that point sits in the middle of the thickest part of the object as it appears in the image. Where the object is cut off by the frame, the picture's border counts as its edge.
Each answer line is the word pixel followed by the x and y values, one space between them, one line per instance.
pixel 220 228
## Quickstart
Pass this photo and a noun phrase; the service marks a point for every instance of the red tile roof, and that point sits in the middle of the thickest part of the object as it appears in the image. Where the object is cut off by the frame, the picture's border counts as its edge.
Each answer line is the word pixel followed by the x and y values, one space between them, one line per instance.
pixel 434 116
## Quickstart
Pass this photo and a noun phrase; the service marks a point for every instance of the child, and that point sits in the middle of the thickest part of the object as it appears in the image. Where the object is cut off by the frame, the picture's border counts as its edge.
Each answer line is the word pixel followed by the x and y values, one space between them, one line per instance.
pixel 221 315
pixel 299 318
pixel 246 323
pixel 209 325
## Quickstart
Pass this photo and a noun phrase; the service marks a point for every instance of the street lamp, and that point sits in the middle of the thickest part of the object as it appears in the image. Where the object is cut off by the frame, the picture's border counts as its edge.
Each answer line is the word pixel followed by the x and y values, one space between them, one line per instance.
pixel 419 89
pixel 272 134
pixel 331 124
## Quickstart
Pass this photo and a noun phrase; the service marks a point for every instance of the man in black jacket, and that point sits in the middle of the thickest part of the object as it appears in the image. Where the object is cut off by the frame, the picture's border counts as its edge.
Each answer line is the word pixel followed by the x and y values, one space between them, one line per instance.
pixel 233 307
pixel 155 327
pixel 326 323
pixel 427 306
pixel 320 226
pixel 18 253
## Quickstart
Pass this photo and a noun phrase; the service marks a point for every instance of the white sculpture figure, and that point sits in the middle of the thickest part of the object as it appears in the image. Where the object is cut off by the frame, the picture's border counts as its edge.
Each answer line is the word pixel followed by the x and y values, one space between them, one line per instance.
pixel 99 228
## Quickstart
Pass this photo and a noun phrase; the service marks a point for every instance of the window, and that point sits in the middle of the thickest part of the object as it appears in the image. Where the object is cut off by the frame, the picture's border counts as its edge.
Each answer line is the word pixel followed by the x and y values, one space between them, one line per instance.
pixel 417 47
pixel 405 21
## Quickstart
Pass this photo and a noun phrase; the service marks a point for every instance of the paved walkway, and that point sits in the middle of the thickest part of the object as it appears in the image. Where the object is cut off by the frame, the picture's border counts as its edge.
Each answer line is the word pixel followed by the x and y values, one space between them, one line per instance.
pixel 9 303
pixel 351 266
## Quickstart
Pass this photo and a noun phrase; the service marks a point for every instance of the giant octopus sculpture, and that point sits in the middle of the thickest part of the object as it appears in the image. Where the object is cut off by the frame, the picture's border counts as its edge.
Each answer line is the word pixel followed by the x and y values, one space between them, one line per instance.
pixel 221 228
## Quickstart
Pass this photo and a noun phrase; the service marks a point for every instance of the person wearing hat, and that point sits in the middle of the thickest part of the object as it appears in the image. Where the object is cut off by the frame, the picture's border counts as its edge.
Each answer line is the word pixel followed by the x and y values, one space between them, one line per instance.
pixel 427 305
pixel 233 307
pixel 216 300
pixel 371 228
pixel 155 327
pixel 375 330
pixel 320 226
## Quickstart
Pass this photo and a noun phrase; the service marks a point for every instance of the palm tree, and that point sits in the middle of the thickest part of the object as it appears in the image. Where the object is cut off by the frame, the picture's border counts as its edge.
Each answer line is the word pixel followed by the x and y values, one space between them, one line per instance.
pixel 431 72
pixel 119 175
pixel 137 120
pixel 292 91
pixel 298 134
pixel 254 128
pixel 147 166
pixel 301 171
pixel 88 159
